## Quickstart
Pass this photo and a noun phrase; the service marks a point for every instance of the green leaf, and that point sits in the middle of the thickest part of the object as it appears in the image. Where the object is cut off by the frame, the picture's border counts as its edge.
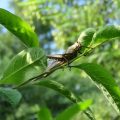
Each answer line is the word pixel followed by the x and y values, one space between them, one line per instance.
pixel 104 81
pixel 104 34
pixel 44 114
pixel 85 38
pixel 23 66
pixel 10 95
pixel 65 92
pixel 19 28
pixel 70 112
pixel 59 88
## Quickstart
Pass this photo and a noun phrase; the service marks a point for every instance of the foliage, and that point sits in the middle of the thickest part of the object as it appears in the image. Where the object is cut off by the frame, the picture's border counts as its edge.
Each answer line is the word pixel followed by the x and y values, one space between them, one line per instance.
pixel 104 81
pixel 32 61
pixel 18 27
pixel 44 114
pixel 26 62
pixel 12 96
pixel 74 109
pixel 69 113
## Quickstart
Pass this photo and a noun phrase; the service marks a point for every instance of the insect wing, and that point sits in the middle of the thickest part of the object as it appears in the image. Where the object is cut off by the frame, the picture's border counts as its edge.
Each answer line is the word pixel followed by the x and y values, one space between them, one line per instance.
pixel 59 57
pixel 56 56
pixel 53 65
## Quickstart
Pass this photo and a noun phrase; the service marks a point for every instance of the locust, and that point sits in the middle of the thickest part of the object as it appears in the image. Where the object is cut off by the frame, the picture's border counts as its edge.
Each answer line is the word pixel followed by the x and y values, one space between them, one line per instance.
pixel 69 54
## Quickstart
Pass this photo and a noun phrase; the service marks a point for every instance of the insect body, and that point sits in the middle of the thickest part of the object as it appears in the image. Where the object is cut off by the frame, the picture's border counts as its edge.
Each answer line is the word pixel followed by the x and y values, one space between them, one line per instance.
pixel 70 53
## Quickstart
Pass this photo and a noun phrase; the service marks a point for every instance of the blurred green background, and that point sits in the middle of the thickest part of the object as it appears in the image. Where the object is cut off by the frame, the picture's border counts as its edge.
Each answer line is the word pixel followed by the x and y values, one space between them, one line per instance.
pixel 58 24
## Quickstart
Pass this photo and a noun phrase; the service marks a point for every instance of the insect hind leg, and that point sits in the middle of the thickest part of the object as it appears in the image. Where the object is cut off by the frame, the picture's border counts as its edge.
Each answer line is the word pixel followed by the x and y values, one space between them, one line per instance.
pixel 68 63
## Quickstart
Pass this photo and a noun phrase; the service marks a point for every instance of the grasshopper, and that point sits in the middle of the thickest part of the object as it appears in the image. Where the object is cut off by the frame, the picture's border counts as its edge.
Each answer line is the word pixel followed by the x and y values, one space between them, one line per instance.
pixel 70 53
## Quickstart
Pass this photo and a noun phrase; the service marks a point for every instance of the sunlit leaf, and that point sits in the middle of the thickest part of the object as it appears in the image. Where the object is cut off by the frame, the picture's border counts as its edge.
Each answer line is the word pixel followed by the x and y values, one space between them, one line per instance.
pixel 19 28
pixel 70 112
pixel 104 80
pixel 44 114
pixel 10 95
pixel 26 64
pixel 67 93
pixel 104 34
pixel 85 37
